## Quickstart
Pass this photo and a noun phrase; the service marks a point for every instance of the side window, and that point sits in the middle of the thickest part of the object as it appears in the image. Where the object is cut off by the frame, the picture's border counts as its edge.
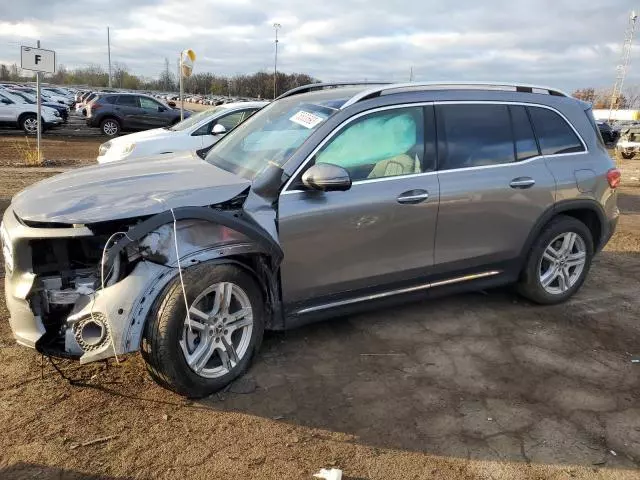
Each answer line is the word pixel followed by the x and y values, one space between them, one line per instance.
pixel 554 134
pixel 231 120
pixel 474 135
pixel 526 146
pixel 110 99
pixel 381 144
pixel 203 130
pixel 149 104
pixel 128 101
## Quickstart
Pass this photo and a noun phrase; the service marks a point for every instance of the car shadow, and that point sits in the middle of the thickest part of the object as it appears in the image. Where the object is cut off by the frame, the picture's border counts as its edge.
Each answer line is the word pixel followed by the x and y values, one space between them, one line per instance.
pixel 483 375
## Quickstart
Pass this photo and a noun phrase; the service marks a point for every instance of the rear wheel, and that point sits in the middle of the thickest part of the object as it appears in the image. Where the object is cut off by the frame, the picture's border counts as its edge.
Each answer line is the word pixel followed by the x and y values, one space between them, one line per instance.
pixel 627 156
pixel 558 262
pixel 200 353
pixel 110 127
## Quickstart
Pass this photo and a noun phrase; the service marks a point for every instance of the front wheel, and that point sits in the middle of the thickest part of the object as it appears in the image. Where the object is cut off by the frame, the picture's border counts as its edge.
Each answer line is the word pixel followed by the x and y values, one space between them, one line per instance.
pixel 29 123
pixel 627 156
pixel 199 354
pixel 558 262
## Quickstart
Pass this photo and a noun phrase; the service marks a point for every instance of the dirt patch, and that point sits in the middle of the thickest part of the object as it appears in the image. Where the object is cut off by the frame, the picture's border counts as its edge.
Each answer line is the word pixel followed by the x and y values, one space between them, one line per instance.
pixel 480 385
pixel 59 152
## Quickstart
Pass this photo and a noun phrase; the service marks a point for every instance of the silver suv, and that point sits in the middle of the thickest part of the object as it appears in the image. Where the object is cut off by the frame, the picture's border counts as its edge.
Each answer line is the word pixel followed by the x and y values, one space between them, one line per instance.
pixel 332 199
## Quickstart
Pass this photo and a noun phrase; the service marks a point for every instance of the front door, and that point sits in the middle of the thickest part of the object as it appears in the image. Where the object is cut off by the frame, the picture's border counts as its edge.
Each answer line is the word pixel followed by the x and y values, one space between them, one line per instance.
pixel 378 234
pixel 155 114
pixel 494 185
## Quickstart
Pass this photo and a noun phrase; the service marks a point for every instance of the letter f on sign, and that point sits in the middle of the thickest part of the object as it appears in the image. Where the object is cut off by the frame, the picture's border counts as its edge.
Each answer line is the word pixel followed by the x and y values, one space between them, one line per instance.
pixel 38 58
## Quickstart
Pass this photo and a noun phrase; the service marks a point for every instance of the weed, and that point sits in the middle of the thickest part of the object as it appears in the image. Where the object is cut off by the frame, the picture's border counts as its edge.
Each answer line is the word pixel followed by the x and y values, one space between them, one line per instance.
pixel 27 153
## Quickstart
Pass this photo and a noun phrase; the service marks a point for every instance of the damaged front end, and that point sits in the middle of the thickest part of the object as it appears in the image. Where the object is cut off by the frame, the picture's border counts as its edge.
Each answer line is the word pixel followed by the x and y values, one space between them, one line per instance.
pixel 85 291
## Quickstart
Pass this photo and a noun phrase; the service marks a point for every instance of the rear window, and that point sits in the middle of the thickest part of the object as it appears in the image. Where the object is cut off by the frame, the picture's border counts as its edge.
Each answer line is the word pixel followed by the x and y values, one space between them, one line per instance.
pixel 109 99
pixel 526 146
pixel 554 133
pixel 596 127
pixel 474 135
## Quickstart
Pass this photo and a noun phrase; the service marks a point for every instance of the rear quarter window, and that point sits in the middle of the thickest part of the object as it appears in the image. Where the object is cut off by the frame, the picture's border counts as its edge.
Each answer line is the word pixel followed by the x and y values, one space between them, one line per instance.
pixel 555 135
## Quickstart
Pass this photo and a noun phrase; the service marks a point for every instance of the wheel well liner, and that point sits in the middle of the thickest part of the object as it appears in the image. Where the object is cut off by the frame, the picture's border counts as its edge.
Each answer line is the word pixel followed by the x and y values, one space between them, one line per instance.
pixel 236 222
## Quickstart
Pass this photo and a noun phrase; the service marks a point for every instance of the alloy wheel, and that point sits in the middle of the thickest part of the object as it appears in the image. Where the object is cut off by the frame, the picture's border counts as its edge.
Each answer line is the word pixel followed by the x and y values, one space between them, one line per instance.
pixel 217 332
pixel 562 263
pixel 31 125
pixel 110 128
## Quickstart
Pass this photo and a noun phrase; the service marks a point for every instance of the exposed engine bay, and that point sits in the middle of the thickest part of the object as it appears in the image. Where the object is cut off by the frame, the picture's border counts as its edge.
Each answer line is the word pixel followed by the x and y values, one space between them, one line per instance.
pixel 91 293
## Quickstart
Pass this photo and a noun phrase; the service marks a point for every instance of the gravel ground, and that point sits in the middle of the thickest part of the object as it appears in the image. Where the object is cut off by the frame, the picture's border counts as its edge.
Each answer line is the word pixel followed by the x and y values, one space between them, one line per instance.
pixel 480 385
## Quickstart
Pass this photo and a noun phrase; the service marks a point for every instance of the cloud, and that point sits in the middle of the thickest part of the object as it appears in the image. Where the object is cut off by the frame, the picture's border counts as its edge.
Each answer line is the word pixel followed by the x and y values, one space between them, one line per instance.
pixel 564 43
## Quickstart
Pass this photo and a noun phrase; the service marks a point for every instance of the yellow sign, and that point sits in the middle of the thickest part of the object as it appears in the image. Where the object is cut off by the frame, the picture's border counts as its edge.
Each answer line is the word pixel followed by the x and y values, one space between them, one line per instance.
pixel 187 57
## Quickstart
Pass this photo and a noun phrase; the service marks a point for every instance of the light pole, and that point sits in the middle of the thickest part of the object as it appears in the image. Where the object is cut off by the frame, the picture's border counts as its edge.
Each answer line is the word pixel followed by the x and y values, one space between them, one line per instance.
pixel 276 26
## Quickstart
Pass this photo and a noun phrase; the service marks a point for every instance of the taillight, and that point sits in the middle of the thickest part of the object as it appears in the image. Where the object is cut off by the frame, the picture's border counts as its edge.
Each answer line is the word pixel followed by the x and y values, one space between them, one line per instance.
pixel 613 177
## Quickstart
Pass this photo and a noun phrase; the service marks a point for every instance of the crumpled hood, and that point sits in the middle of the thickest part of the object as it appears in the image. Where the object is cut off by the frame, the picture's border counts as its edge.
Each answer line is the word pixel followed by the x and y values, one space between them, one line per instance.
pixel 127 189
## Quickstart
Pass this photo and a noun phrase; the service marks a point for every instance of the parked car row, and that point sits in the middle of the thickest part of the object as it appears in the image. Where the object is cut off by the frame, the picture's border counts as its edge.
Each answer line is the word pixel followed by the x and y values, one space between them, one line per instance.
pixel 213 100
pixel 18 109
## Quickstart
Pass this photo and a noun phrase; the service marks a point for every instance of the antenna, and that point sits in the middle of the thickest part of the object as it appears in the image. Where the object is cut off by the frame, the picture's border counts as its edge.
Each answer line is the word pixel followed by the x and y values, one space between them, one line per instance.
pixel 625 60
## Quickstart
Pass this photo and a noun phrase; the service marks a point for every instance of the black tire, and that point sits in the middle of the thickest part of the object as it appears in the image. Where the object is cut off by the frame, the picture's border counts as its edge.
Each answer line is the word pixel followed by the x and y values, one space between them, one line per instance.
pixel 627 156
pixel 161 349
pixel 530 285
pixel 110 127
pixel 28 122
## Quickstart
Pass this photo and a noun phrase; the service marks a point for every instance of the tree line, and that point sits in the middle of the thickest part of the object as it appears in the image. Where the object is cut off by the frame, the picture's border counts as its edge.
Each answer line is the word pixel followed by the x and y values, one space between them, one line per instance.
pixel 600 98
pixel 256 85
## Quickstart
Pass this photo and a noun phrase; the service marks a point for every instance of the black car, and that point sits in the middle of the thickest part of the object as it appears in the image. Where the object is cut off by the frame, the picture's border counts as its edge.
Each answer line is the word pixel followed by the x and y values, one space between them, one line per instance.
pixel 609 135
pixel 113 113
pixel 62 110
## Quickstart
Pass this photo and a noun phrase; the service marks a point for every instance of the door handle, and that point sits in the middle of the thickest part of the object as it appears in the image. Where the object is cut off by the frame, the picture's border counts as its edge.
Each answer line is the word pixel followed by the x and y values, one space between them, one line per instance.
pixel 413 197
pixel 522 182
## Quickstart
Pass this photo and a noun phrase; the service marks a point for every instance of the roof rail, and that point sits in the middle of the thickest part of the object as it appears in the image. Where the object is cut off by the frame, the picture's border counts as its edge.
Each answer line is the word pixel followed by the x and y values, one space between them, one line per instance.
pixel 321 86
pixel 518 87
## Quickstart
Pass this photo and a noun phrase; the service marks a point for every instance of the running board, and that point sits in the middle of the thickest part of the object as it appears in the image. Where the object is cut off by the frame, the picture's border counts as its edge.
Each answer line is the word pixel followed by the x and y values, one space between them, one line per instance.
pixel 401 291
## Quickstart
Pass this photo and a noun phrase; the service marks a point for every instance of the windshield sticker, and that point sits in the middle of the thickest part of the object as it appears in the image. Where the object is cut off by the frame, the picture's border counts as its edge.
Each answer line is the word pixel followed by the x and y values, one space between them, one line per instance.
pixel 306 119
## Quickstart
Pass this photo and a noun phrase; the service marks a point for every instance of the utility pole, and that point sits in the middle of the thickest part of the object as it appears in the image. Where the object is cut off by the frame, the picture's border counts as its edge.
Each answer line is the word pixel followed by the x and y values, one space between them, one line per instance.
pixel 625 60
pixel 276 26
pixel 411 75
pixel 39 115
pixel 109 54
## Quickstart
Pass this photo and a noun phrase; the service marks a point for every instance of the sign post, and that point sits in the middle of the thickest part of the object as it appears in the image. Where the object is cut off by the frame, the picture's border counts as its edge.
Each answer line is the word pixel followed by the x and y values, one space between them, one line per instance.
pixel 38 60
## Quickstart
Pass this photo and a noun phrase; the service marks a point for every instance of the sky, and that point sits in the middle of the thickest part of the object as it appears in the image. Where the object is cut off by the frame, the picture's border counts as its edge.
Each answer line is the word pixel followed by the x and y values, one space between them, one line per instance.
pixel 566 44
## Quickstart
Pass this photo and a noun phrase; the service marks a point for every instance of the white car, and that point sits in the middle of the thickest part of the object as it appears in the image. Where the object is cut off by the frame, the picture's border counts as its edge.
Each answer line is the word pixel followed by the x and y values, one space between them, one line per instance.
pixel 198 132
pixel 16 112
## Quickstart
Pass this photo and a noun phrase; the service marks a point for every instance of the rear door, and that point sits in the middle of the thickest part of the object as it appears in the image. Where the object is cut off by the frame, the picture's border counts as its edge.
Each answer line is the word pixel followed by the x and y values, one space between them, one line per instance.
pixel 494 185
pixel 374 237
pixel 128 109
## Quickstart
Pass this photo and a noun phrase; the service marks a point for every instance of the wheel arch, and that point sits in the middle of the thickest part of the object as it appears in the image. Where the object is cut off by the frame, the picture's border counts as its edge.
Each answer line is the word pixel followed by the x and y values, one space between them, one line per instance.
pixel 25 114
pixel 589 212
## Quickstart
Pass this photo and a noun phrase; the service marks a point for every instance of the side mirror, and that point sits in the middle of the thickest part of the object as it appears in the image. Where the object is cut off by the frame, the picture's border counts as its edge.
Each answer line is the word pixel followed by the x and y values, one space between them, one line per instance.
pixel 161 108
pixel 6 101
pixel 172 104
pixel 327 177
pixel 218 129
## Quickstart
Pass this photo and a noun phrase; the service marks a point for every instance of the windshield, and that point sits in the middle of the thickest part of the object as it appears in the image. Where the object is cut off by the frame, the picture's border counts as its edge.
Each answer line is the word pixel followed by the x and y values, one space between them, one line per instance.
pixel 274 133
pixel 13 98
pixel 26 96
pixel 195 119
